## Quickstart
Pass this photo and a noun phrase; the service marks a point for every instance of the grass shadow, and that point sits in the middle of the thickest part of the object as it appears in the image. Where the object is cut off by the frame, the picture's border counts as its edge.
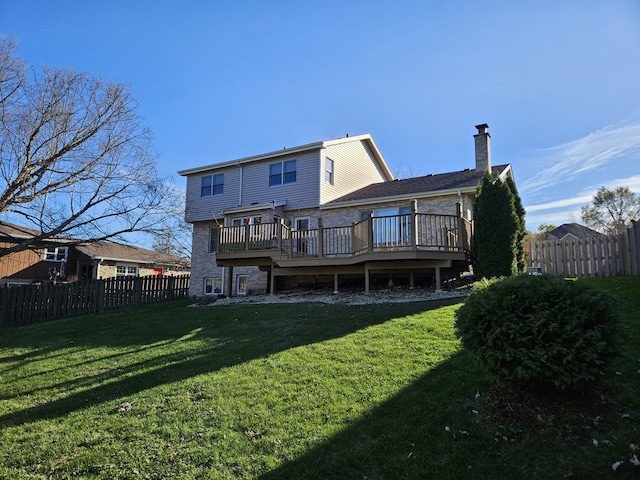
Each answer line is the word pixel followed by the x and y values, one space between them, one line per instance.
pixel 188 342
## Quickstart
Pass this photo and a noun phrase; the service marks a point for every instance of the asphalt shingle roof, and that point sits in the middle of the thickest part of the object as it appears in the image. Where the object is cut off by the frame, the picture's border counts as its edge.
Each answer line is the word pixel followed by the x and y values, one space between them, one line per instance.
pixel 118 251
pixel 575 229
pixel 469 178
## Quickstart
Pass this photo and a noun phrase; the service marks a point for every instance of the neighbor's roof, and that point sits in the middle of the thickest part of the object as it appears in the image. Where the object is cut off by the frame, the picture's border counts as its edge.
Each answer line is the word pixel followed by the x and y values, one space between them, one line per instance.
pixel 126 253
pixel 11 231
pixel 16 231
pixel 465 181
pixel 366 138
pixel 573 229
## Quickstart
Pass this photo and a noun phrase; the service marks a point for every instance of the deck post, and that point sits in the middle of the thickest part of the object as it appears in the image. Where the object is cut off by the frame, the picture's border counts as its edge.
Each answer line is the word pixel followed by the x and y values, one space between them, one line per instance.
pixel 320 238
pixel 280 228
pixel 462 231
pixel 366 278
pixel 438 280
pixel 370 232
pixel 414 224
pixel 335 284
pixel 411 281
pixel 272 280
pixel 229 285
pixel 290 250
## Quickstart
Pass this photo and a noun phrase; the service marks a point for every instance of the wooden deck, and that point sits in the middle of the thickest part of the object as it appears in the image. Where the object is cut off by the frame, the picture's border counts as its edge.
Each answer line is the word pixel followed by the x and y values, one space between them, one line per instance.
pixel 405 242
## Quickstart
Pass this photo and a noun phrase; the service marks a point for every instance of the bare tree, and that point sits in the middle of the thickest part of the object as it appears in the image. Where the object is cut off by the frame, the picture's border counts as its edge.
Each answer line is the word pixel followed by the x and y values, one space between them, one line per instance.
pixel 174 238
pixel 75 159
pixel 611 211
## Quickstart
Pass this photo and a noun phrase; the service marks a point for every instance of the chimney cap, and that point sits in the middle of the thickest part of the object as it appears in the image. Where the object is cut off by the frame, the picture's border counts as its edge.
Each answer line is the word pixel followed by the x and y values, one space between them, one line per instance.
pixel 482 128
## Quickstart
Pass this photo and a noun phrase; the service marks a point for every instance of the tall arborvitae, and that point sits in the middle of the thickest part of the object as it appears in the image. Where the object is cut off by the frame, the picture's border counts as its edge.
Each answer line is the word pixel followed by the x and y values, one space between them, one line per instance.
pixel 496 229
pixel 521 259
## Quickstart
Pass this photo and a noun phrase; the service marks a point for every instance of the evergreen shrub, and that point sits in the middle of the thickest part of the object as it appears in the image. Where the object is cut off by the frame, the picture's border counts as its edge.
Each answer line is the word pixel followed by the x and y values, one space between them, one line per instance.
pixel 538 331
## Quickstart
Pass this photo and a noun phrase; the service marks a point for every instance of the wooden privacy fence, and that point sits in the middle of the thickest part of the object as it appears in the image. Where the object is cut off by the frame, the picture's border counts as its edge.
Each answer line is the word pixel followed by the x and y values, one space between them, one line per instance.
pixel 25 304
pixel 587 257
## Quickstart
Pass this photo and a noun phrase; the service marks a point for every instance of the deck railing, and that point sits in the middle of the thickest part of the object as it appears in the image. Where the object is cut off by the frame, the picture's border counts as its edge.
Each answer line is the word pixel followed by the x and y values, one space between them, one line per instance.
pixel 417 231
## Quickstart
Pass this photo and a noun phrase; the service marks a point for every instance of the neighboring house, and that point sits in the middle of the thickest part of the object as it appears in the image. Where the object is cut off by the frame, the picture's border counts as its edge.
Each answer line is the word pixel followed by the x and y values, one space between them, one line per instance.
pixel 571 231
pixel 60 260
pixel 329 214
pixel 110 259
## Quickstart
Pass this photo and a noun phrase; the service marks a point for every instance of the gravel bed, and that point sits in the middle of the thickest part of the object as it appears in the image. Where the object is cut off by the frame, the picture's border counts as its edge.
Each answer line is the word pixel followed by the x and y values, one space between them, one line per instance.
pixel 342 298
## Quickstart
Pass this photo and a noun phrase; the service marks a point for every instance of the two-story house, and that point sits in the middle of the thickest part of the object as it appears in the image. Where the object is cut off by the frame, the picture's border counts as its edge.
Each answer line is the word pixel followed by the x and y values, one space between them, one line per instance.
pixel 329 213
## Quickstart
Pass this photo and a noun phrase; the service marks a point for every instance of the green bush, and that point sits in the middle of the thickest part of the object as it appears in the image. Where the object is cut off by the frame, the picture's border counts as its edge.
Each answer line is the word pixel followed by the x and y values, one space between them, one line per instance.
pixel 538 331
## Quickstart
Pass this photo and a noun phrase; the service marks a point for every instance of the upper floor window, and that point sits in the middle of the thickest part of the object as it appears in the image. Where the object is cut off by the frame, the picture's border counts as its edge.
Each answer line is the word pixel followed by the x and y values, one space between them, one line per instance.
pixel 328 171
pixel 212 185
pixel 283 172
pixel 56 254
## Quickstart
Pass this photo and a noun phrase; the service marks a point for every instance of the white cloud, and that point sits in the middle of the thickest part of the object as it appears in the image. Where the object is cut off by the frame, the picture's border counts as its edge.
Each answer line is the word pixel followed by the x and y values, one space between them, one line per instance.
pixel 566 210
pixel 632 182
pixel 566 202
pixel 552 218
pixel 565 162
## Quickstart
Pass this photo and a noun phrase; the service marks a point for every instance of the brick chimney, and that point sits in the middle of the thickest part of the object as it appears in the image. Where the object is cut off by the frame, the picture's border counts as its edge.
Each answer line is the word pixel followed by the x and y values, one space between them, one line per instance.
pixel 483 148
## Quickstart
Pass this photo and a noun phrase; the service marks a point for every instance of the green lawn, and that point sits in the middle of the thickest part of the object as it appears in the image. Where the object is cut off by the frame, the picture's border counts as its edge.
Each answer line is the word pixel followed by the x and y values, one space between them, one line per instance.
pixel 288 392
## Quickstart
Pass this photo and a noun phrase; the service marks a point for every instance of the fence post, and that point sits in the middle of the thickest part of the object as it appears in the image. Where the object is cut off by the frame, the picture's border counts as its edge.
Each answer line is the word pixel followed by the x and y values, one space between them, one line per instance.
pixel 3 304
pixel 100 295
pixel 634 245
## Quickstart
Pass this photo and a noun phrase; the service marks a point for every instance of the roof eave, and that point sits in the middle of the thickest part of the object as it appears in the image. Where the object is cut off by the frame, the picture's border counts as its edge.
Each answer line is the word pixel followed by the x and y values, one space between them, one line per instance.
pixel 396 198
pixel 121 259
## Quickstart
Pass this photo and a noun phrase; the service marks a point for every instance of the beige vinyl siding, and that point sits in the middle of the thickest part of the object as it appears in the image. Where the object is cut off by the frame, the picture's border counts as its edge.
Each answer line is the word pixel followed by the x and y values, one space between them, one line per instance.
pixel 199 208
pixel 301 194
pixel 355 167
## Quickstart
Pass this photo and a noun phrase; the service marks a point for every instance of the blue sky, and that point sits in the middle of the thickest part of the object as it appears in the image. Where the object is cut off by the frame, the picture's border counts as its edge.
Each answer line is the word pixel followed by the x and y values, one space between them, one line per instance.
pixel 557 81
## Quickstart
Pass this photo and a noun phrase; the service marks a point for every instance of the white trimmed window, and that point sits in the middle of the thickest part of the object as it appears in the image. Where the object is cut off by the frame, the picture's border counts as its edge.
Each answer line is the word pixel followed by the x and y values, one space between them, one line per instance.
pixel 126 271
pixel 282 173
pixel 213 239
pixel 56 254
pixel 328 171
pixel 212 185
pixel 241 285
pixel 213 286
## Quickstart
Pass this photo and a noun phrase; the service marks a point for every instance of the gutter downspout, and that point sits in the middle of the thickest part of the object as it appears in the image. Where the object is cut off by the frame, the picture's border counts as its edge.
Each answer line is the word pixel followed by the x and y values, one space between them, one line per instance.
pixel 241 182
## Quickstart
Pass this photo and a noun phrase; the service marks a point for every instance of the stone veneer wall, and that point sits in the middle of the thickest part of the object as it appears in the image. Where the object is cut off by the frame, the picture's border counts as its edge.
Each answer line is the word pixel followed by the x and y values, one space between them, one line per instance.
pixel 348 215
pixel 203 265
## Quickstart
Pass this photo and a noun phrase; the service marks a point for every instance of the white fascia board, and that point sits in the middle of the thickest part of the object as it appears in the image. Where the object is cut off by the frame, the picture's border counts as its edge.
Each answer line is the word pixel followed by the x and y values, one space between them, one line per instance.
pixel 396 198
pixel 507 172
